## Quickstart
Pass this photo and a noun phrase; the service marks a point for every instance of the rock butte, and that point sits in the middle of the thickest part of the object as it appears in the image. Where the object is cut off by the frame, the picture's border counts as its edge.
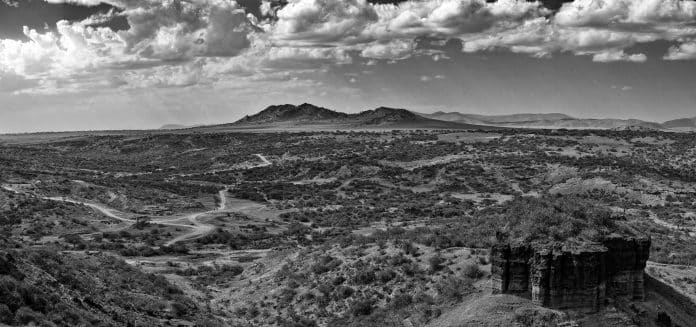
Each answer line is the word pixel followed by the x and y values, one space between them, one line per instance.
pixel 579 277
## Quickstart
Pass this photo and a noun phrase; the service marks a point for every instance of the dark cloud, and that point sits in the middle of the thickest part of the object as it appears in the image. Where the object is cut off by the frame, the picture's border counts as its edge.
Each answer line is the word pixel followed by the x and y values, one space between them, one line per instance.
pixel 550 4
pixel 36 14
pixel 251 6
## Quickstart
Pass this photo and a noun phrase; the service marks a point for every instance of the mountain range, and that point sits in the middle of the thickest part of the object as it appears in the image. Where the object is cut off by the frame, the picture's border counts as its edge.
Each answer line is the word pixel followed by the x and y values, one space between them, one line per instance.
pixel 309 116
pixel 552 120
pixel 681 123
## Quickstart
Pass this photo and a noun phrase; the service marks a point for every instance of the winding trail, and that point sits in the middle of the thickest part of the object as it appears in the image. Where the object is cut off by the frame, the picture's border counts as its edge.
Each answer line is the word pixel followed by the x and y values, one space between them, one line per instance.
pixel 104 210
pixel 199 229
pixel 265 163
pixel 666 224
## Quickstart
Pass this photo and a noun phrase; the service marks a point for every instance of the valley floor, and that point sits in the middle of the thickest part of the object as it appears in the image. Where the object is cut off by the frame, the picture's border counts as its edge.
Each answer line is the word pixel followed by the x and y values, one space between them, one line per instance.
pixel 331 228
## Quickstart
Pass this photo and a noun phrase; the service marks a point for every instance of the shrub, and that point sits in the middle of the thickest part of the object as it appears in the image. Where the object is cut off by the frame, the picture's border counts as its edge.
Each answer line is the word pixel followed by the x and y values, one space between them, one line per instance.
pixel 361 308
pixel 364 277
pixel 473 271
pixel 343 292
pixel 25 315
pixel 338 280
pixel 411 269
pixel 287 295
pixel 401 300
pixel 5 314
pixel 179 309
pixel 453 288
pixel 436 263
pixel 325 264
pixel 385 276
pixel 409 248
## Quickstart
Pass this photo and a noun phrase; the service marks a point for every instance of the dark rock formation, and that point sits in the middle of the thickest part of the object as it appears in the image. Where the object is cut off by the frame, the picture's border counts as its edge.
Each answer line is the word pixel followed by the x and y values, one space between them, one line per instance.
pixel 572 277
pixel 8 266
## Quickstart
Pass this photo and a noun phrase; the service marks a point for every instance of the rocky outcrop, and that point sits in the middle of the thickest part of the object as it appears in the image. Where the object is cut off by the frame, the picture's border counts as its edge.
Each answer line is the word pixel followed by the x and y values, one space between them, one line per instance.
pixel 572 277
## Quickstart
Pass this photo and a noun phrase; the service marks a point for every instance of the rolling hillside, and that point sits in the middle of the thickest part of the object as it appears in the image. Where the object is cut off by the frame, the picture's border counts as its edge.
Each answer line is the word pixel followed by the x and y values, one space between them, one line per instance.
pixel 552 120
pixel 308 115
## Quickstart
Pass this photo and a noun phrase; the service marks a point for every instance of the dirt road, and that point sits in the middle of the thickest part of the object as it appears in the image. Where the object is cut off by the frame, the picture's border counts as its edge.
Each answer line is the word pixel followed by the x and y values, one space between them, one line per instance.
pixel 265 161
pixel 198 228
pixel 201 229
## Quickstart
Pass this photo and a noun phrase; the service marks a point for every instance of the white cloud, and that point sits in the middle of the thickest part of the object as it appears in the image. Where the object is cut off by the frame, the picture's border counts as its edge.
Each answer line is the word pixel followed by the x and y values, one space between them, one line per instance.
pixel 622 88
pixel 450 18
pixel 323 21
pixel 395 49
pixel 601 28
pixel 389 31
pixel 314 55
pixel 426 78
pixel 73 49
pixel 618 55
pixel 11 3
pixel 175 30
pixel 171 34
pixel 88 3
pixel 185 42
pixel 626 12
pixel 684 51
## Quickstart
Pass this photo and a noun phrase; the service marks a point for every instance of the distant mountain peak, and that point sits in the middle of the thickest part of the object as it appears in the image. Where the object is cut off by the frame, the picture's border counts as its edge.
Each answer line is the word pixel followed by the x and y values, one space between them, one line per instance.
pixel 291 113
pixel 309 114
pixel 681 123
pixel 385 115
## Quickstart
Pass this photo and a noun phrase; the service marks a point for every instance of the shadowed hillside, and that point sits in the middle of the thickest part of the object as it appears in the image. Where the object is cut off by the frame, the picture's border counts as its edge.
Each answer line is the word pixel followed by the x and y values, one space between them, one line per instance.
pixel 308 115
pixel 552 120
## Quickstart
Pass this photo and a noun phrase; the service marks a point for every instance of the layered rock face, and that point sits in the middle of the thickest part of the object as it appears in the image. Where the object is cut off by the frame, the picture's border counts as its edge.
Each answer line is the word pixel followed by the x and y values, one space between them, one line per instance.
pixel 572 277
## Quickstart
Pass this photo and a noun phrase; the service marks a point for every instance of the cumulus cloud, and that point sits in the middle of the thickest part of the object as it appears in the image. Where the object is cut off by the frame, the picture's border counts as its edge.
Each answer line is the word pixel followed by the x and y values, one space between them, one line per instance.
pixel 625 12
pixel 184 42
pixel 88 3
pixel 11 3
pixel 71 49
pixel 426 78
pixel 684 51
pixel 618 55
pixel 170 34
pixel 329 55
pixel 173 30
pixel 388 31
pixel 602 28
pixel 395 49
pixel 323 21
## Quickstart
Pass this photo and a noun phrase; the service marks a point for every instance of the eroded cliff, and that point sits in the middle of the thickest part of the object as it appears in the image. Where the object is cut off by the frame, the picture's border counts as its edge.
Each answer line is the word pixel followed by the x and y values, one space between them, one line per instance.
pixel 572 276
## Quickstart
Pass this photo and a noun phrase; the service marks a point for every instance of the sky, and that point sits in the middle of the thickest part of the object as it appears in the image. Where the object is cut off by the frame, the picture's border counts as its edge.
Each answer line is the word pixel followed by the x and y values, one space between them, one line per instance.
pixel 140 64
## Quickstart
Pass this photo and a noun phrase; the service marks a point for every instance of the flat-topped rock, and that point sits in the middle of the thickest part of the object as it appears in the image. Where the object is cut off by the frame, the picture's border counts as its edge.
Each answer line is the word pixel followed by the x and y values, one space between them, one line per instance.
pixel 572 276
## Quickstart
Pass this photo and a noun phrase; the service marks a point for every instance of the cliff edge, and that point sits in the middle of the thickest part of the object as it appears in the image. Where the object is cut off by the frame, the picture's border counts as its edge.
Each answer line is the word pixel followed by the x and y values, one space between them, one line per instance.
pixel 572 276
